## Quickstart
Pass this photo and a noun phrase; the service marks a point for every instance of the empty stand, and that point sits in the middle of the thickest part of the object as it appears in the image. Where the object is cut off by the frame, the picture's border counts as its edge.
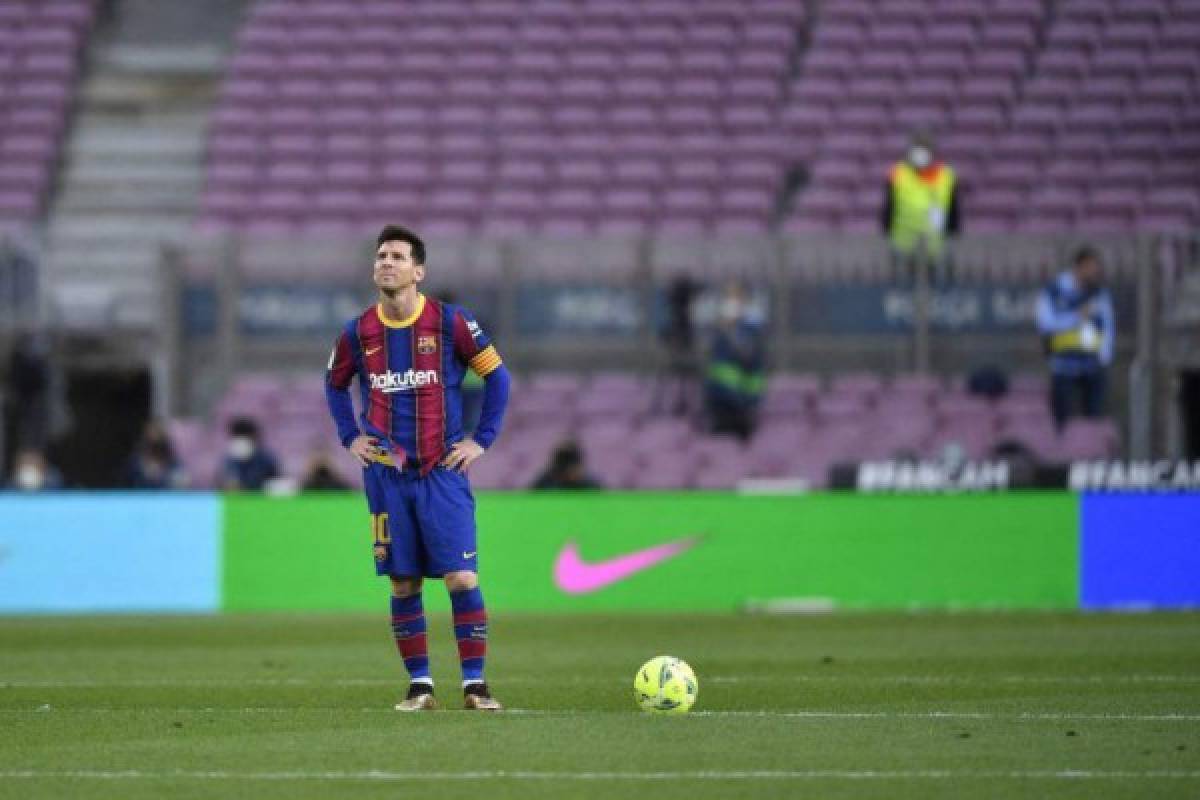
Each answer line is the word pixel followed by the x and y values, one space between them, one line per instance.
pixel 616 116
pixel 1074 115
pixel 40 49
pixel 559 117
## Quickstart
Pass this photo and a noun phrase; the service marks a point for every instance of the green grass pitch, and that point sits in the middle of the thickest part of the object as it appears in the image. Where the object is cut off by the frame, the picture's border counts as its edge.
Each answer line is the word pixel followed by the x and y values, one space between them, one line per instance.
pixel 992 705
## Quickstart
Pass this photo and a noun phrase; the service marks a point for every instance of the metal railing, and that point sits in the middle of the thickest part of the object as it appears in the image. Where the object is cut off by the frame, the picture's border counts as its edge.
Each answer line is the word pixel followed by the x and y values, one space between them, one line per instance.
pixel 1168 342
pixel 604 296
pixel 20 288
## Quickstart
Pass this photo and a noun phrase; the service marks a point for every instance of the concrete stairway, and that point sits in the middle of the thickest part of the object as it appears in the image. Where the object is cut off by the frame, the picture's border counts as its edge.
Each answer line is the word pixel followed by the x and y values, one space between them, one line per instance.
pixel 133 165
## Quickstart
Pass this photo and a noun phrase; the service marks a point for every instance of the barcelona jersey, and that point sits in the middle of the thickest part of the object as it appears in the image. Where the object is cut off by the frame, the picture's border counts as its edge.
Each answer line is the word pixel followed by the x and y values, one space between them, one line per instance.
pixel 410 374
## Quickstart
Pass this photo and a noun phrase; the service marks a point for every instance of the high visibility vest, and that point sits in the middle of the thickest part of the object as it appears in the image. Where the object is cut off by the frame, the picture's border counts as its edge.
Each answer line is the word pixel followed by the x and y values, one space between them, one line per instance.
pixel 734 378
pixel 920 206
pixel 727 372
pixel 1085 339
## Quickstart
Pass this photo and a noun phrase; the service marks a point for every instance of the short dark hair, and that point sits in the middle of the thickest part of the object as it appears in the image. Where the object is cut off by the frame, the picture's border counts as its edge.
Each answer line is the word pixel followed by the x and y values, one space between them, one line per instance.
pixel 567 454
pixel 399 233
pixel 1086 253
pixel 243 426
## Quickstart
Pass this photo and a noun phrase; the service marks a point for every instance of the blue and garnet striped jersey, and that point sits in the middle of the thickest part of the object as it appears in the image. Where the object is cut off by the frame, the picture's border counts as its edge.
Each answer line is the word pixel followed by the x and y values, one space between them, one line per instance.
pixel 410 375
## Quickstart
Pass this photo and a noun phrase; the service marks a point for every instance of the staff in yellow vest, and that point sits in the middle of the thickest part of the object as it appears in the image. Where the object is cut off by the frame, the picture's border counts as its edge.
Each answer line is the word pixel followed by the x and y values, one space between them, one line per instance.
pixel 1078 326
pixel 920 205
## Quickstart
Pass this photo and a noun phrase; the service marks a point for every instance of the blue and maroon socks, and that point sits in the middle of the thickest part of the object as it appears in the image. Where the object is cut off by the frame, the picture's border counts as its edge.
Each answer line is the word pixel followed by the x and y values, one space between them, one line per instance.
pixel 470 629
pixel 408 628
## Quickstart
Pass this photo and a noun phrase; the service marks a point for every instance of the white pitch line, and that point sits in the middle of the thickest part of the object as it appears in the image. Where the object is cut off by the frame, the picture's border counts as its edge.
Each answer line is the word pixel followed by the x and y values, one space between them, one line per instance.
pixel 946 715
pixel 958 715
pixel 956 679
pixel 716 679
pixel 482 775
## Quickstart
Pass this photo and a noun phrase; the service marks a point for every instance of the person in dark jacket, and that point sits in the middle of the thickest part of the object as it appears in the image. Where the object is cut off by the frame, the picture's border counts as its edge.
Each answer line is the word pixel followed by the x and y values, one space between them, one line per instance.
pixel 566 470
pixel 153 464
pixel 248 464
pixel 735 375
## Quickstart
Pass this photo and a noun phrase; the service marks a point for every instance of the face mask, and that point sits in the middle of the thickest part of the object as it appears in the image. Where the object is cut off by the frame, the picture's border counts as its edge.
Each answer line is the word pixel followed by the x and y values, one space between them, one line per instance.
pixel 30 478
pixel 241 448
pixel 920 157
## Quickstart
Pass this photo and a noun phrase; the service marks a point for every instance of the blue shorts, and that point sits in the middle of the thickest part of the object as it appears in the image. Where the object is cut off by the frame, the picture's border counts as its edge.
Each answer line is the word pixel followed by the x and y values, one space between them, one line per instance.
pixel 423 527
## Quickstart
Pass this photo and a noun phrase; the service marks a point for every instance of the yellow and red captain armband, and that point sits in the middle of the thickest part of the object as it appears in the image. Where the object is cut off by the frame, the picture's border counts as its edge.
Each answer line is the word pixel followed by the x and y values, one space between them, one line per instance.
pixel 485 361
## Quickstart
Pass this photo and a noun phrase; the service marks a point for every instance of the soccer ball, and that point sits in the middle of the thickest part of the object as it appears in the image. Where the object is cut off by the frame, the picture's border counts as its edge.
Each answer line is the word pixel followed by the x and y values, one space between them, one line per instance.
pixel 665 684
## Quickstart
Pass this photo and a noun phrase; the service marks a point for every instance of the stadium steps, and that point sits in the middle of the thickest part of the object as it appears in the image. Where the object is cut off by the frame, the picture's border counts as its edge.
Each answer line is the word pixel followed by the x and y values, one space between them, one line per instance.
pixel 133 166
pixel 128 198
pixel 102 179
pixel 178 25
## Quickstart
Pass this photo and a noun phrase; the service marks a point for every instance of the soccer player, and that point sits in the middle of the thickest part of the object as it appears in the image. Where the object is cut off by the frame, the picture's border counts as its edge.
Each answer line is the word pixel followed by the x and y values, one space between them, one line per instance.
pixel 410 353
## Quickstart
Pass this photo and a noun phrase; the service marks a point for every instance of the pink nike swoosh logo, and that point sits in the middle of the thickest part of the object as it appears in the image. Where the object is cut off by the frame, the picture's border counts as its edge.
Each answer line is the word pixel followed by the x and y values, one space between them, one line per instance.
pixel 575 576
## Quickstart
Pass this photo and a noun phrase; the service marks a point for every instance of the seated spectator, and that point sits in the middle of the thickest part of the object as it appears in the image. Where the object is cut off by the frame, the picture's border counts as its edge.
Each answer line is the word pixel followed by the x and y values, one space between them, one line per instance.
pixel 153 464
pixel 566 470
pixel 735 375
pixel 987 381
pixel 1022 462
pixel 248 465
pixel 320 475
pixel 32 473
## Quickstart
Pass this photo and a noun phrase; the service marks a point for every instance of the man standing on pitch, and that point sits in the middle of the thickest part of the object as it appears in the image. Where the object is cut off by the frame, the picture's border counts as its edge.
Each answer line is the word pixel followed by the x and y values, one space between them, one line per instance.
pixel 410 354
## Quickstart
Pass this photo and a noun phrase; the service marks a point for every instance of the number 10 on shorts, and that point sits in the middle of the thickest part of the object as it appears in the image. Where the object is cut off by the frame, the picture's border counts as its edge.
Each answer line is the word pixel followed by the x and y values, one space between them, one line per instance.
pixel 379 530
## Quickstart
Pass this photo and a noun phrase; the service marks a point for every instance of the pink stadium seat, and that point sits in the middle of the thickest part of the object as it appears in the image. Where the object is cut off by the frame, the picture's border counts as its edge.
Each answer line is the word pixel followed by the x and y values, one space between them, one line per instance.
pixel 933 63
pixel 920 388
pixel 680 85
pixel 1086 438
pixel 1126 62
pixel 1063 63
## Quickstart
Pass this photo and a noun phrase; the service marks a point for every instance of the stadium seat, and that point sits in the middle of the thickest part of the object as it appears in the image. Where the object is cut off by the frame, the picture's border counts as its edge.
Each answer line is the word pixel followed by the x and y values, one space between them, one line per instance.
pixel 663 81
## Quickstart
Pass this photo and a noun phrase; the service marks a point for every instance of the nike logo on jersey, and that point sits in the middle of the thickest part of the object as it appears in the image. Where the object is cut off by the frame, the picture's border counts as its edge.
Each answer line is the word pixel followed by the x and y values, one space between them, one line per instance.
pixel 575 576
pixel 470 554
pixel 373 350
